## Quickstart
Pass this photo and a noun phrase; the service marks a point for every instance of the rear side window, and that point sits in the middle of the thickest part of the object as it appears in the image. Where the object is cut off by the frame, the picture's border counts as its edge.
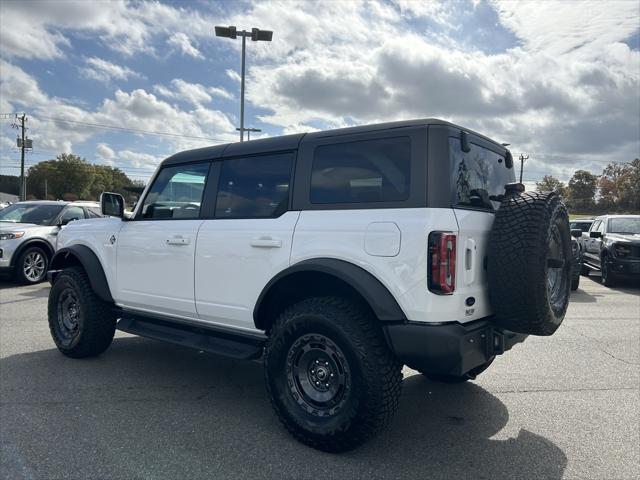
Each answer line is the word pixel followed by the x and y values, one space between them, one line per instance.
pixel 477 176
pixel 360 172
pixel 254 187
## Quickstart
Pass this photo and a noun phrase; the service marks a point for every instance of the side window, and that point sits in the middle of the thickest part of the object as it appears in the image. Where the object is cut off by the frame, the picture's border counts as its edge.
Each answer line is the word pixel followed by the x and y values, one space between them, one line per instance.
pixel 176 193
pixel 93 212
pixel 601 226
pixel 72 213
pixel 360 172
pixel 254 187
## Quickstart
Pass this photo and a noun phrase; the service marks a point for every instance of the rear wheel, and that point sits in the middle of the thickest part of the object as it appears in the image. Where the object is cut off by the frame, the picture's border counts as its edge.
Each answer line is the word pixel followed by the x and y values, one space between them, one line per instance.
pixel 331 377
pixel 32 265
pixel 81 324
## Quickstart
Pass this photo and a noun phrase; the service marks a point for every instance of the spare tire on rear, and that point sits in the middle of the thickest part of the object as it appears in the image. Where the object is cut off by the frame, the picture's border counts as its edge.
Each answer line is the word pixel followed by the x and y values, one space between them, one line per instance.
pixel 529 264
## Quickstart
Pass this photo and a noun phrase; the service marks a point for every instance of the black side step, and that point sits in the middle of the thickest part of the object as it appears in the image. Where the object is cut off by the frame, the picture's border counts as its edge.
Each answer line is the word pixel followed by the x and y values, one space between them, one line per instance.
pixel 209 339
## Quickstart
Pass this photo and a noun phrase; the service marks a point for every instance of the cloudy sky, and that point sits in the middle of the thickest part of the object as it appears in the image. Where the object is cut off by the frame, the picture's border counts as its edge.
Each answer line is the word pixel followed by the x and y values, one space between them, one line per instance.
pixel 559 80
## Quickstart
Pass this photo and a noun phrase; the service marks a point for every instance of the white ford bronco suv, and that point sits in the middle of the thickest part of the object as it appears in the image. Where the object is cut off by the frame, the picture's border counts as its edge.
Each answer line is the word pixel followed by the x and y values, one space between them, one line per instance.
pixel 335 256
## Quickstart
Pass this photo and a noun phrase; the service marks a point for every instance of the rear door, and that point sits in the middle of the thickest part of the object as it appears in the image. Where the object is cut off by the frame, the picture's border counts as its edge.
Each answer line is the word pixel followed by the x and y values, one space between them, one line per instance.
pixel 476 176
pixel 248 240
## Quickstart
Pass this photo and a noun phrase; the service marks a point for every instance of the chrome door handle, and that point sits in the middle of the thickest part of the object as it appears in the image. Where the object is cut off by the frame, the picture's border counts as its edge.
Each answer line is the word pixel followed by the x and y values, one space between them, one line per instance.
pixel 266 242
pixel 178 241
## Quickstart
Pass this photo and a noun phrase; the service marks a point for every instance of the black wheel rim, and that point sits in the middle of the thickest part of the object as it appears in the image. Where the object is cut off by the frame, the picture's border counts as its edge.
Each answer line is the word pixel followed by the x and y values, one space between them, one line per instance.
pixel 68 315
pixel 556 266
pixel 318 375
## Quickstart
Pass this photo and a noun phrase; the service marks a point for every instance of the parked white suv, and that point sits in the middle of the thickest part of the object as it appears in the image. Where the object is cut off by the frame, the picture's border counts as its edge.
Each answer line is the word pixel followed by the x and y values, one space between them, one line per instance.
pixel 336 256
pixel 28 232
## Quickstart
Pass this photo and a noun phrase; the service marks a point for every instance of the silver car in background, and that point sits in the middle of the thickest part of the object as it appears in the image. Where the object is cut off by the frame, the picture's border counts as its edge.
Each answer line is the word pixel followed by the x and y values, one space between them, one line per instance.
pixel 28 233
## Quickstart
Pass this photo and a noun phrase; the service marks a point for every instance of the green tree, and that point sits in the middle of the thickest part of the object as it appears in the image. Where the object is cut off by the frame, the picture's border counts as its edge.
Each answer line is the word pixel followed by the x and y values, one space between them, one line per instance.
pixel 68 175
pixel 620 186
pixel 582 191
pixel 549 183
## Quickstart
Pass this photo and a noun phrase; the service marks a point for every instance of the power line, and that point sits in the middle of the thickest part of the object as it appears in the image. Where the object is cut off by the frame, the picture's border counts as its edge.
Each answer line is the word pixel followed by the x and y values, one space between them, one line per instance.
pixel 129 129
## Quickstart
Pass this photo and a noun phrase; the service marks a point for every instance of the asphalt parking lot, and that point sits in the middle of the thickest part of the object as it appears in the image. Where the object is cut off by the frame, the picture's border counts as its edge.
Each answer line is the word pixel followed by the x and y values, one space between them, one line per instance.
pixel 565 406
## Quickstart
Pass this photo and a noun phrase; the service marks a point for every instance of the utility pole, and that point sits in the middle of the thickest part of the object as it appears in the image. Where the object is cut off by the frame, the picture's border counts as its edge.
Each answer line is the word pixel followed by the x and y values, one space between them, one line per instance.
pixel 23 146
pixel 45 190
pixel 523 158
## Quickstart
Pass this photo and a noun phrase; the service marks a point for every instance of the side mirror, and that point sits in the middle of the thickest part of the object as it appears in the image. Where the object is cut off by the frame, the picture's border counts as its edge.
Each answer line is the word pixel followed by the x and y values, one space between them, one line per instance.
pixel 576 233
pixel 595 234
pixel 112 204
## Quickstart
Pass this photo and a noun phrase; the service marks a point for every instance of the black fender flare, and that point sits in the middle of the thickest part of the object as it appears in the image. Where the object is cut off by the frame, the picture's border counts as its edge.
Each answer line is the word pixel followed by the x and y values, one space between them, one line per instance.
pixel 30 243
pixel 379 298
pixel 91 264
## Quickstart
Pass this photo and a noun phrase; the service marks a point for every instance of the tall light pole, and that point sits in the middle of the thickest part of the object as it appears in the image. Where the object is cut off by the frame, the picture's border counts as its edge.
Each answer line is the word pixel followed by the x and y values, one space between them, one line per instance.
pixel 249 130
pixel 256 35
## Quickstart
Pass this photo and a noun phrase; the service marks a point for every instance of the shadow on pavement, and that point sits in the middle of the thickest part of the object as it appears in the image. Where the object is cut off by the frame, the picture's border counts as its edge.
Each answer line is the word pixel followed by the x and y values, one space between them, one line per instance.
pixel 28 292
pixel 150 410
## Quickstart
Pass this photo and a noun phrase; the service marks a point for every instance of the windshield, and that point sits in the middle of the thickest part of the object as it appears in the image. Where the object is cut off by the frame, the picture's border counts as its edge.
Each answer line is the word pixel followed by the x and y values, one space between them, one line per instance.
pixel 628 225
pixel 584 226
pixel 38 214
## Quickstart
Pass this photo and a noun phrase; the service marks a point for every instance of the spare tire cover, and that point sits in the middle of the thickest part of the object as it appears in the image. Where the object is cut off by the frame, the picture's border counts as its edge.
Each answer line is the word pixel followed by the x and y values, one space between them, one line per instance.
pixel 529 263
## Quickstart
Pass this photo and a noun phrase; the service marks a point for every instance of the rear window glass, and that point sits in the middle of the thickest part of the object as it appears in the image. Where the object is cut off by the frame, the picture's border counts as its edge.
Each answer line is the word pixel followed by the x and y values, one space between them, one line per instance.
pixel 359 172
pixel 477 176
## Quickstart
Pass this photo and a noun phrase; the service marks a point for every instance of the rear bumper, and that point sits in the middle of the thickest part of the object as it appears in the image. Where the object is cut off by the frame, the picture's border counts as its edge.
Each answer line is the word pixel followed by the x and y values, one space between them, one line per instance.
pixel 450 348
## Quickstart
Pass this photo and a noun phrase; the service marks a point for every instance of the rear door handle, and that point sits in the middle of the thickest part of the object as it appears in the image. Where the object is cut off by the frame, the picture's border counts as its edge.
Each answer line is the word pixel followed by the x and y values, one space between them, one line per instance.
pixel 178 240
pixel 266 242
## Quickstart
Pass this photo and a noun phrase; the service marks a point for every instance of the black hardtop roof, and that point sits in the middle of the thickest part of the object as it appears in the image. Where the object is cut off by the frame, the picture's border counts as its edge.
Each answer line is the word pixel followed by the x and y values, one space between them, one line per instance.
pixel 291 142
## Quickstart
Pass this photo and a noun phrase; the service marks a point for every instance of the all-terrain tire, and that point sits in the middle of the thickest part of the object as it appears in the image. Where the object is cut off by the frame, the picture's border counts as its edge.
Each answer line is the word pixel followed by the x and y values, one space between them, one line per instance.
pixel 349 333
pixel 38 261
pixel 470 375
pixel 81 324
pixel 575 283
pixel 529 264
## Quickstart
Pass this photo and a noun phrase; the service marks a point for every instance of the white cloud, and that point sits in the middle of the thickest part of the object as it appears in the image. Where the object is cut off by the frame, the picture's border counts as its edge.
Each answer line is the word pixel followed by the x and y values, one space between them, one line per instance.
pixel 233 75
pixel 104 71
pixel 137 109
pixel 182 42
pixel 103 151
pixel 33 29
pixel 193 93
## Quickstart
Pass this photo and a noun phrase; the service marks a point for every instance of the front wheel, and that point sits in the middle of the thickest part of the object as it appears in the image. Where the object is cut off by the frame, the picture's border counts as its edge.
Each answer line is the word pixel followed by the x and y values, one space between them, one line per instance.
pixel 81 324
pixel 31 266
pixel 608 277
pixel 331 377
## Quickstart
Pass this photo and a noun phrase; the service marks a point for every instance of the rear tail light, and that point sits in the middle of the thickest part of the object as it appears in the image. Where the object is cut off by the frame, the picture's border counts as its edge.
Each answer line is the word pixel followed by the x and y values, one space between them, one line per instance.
pixel 442 256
